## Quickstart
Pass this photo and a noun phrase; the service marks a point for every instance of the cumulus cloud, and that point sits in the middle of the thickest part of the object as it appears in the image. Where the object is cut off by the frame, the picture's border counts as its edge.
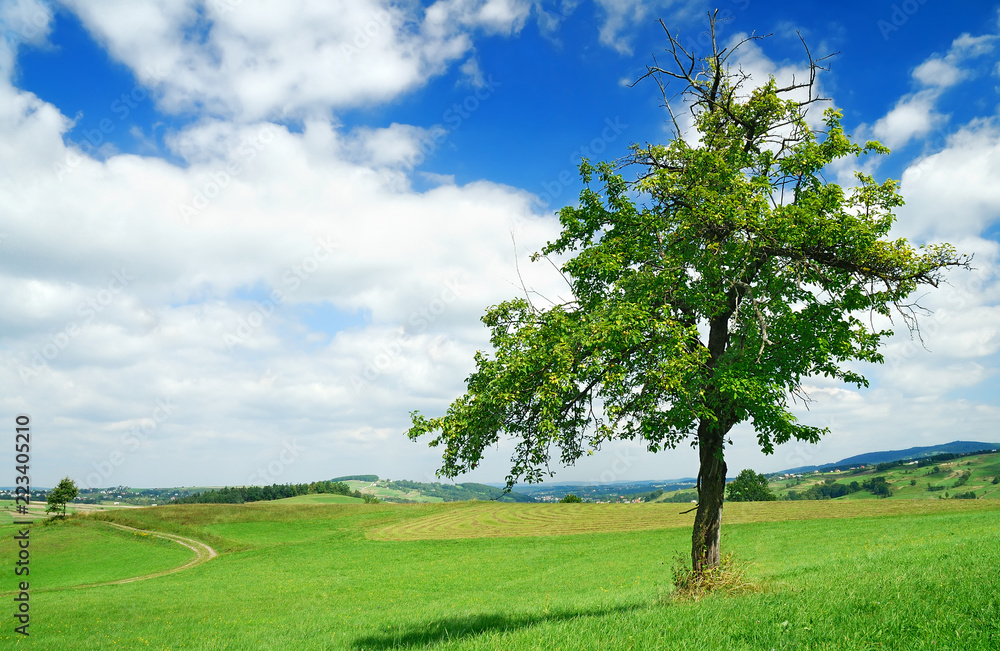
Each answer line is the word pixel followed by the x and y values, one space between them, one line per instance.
pixel 914 115
pixel 290 59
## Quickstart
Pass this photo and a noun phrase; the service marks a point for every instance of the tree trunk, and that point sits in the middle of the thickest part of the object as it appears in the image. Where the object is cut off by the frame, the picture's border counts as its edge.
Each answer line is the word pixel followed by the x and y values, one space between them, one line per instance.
pixel 711 491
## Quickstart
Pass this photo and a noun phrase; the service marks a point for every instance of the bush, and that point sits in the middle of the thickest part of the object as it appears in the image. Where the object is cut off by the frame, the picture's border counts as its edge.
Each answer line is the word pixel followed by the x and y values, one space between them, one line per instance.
pixel 996 480
pixel 729 577
pixel 370 499
pixel 968 495
pixel 571 499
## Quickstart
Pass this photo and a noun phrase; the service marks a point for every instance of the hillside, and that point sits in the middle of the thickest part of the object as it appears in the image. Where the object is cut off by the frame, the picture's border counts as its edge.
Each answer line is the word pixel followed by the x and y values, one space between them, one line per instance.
pixel 888 456
pixel 413 491
pixel 971 477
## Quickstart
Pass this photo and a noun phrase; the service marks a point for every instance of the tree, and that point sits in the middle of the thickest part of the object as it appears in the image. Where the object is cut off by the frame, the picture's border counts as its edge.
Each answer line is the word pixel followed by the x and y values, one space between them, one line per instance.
pixel 57 498
pixel 570 498
pixel 741 273
pixel 749 486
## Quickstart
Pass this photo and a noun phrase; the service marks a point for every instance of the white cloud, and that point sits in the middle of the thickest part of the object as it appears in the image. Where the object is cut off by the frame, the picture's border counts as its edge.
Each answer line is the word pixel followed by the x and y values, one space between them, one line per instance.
pixel 621 15
pixel 914 115
pixel 289 59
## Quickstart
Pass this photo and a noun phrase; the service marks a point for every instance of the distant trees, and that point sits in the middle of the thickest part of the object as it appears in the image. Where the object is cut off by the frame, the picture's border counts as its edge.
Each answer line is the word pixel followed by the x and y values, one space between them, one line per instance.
pixel 877 486
pixel 571 499
pixel 242 494
pixel 653 496
pixel 996 480
pixel 57 498
pixel 749 486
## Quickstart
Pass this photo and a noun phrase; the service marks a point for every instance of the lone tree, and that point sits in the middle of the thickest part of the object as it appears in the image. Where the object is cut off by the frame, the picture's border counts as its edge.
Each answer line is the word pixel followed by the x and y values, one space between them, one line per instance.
pixel 749 486
pixel 60 495
pixel 742 272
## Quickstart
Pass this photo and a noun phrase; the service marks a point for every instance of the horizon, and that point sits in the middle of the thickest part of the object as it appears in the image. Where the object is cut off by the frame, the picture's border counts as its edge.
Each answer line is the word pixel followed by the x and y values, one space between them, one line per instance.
pixel 252 262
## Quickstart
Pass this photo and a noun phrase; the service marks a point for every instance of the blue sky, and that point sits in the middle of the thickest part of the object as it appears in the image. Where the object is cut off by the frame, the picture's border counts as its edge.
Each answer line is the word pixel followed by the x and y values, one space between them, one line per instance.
pixel 283 220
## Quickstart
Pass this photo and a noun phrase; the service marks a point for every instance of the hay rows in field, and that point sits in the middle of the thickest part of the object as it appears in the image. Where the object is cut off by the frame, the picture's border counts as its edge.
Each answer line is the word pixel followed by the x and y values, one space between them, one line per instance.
pixel 485 520
pixel 495 520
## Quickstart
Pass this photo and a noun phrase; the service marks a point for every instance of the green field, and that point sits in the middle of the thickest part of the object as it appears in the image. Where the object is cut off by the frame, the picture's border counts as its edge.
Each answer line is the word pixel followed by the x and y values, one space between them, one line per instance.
pixel 843 574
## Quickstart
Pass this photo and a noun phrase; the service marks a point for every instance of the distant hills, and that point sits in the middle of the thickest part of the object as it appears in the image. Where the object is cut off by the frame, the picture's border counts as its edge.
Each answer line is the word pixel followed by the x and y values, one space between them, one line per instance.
pixel 888 456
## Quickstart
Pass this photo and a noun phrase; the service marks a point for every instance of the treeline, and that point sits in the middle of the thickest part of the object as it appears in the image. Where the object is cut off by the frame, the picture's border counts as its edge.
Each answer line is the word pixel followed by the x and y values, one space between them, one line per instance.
pixel 368 478
pixel 830 489
pixel 243 494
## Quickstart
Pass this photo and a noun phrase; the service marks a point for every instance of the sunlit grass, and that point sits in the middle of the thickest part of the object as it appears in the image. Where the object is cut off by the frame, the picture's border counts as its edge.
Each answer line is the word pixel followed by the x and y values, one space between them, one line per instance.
pixel 307 577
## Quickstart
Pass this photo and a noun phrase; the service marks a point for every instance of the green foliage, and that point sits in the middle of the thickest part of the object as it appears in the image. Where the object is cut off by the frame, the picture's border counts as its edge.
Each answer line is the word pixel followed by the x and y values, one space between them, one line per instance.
pixel 963 479
pixel 749 486
pixel 243 494
pixel 877 486
pixel 368 478
pixel 703 292
pixel 653 496
pixel 996 480
pixel 370 499
pixel 913 482
pixel 58 497
pixel 571 499
pixel 968 495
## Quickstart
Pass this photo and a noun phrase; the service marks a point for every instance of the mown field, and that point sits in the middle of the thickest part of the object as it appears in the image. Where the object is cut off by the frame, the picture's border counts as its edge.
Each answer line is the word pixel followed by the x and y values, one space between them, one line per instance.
pixel 843 574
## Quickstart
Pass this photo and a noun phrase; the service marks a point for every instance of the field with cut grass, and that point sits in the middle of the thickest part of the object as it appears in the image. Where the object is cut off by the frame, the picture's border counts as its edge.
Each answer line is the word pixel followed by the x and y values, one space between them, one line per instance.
pixel 877 574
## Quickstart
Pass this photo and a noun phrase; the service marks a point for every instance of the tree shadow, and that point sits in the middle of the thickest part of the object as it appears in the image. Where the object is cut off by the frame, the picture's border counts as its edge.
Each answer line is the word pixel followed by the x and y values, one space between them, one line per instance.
pixel 457 628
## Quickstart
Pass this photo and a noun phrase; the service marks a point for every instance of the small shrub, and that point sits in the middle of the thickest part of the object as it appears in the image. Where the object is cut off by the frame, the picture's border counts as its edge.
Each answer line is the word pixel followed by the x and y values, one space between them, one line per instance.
pixel 996 480
pixel 571 499
pixel 729 577
pixel 370 499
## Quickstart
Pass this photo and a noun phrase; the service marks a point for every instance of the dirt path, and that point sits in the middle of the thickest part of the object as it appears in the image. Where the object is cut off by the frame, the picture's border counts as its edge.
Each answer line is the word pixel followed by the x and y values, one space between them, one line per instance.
pixel 203 552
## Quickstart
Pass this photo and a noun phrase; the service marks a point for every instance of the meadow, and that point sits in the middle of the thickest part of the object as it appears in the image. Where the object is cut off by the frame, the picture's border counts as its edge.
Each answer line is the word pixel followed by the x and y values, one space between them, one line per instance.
pixel 844 574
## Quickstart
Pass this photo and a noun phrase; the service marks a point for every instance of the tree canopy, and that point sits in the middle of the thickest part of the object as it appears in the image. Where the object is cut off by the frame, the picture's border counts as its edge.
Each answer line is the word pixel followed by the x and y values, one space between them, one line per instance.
pixel 58 497
pixel 704 291
pixel 749 486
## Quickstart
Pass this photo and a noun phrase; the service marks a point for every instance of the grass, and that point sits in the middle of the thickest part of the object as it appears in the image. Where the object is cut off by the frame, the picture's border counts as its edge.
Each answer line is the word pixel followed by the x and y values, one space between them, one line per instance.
pixel 78 552
pixel 919 575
